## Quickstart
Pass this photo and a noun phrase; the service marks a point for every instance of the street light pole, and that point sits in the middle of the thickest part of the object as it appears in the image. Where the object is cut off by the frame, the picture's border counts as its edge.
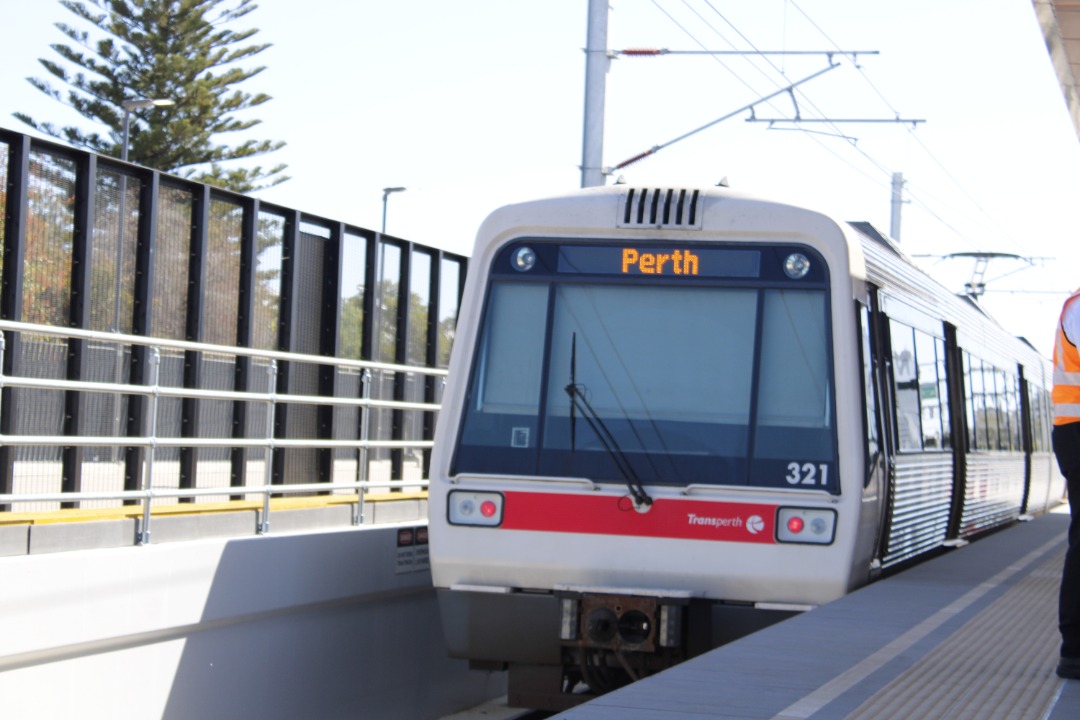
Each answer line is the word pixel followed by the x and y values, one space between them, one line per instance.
pixel 128 106
pixel 379 259
pixel 385 194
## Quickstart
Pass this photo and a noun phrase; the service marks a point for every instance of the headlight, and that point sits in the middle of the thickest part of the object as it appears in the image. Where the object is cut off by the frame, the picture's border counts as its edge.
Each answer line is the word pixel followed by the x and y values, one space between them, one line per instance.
pixel 523 259
pixel 796 266
pixel 475 508
pixel 805 525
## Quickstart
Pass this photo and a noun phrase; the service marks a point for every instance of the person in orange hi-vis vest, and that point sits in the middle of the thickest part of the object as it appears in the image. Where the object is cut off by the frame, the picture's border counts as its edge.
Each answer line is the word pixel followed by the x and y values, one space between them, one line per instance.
pixel 1067 450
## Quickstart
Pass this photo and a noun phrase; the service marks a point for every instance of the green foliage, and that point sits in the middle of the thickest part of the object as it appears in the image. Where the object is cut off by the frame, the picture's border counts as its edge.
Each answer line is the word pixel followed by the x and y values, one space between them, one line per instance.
pixel 352 320
pixel 162 49
pixel 49 240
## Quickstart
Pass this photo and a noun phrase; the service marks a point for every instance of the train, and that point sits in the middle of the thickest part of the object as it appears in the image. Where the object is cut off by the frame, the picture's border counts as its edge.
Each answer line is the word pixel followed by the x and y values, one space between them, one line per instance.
pixel 677 415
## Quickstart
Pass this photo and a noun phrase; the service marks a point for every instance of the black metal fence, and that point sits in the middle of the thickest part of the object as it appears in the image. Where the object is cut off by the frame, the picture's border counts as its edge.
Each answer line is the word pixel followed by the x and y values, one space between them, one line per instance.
pixel 95 243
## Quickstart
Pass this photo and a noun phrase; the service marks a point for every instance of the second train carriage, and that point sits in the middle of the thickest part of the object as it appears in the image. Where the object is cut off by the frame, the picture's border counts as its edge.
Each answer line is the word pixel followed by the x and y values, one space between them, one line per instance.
pixel 676 415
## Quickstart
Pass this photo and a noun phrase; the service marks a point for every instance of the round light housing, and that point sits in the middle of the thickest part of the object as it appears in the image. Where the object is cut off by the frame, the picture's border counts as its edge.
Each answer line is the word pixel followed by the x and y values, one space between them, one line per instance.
pixel 466 507
pixel 524 259
pixel 795 525
pixel 488 508
pixel 796 266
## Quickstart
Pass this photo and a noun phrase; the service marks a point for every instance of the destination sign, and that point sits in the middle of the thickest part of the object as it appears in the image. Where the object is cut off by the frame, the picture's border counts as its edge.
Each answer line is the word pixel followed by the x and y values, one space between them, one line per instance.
pixel 667 262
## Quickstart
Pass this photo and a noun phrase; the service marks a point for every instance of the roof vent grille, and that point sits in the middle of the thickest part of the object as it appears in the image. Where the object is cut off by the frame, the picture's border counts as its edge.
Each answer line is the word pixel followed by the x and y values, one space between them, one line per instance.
pixel 660 208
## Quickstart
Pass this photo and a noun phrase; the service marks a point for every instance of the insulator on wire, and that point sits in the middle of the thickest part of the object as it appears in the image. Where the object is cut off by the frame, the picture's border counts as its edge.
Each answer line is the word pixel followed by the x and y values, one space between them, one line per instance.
pixel 634 159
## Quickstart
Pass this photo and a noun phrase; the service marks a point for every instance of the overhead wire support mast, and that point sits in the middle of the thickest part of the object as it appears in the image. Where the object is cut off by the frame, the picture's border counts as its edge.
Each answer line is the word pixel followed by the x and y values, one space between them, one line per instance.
pixel 977 285
pixel 656 148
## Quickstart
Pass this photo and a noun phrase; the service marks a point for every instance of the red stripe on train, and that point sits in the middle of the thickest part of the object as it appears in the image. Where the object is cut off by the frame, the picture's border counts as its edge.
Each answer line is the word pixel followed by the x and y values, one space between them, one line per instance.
pixel 610 515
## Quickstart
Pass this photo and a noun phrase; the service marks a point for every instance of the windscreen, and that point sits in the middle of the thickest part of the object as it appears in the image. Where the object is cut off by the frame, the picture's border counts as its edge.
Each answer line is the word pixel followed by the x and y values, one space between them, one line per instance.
pixel 714 381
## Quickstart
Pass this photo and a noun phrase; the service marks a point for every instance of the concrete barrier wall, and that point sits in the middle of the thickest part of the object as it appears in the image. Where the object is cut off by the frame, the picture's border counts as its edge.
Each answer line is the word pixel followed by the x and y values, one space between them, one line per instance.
pixel 334 624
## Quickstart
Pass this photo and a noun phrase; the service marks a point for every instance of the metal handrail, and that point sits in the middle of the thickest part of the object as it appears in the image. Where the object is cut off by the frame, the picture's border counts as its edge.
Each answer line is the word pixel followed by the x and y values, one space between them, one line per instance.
pixel 195 492
pixel 124 339
pixel 155 391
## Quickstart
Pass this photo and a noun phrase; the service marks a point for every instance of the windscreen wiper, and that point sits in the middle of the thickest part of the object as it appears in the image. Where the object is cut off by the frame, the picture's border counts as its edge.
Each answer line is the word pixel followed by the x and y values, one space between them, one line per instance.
pixel 580 402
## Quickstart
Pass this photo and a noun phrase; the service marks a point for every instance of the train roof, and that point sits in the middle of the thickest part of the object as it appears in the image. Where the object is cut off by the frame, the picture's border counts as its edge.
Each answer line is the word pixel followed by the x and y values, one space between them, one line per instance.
pixel 901 282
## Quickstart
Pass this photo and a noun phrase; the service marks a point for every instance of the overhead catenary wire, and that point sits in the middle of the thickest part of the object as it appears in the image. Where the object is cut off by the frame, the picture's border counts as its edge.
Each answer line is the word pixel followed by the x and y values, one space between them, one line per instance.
pixel 661 146
pixel 924 202
pixel 763 100
pixel 810 103
pixel 914 136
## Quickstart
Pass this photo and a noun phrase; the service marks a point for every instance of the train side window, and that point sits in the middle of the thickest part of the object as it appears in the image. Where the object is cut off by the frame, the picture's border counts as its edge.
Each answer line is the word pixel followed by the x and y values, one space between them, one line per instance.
pixel 919 385
pixel 969 402
pixel 975 402
pixel 1006 404
pixel 1014 413
pixel 993 406
pixel 992 381
pixel 1039 424
pixel 1007 407
pixel 943 395
pixel 1044 414
pixel 1036 416
pixel 926 357
pixel 873 438
pixel 905 387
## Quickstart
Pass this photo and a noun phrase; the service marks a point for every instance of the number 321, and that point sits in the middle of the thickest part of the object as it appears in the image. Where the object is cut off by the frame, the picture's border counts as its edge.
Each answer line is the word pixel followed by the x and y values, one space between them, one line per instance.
pixel 807 474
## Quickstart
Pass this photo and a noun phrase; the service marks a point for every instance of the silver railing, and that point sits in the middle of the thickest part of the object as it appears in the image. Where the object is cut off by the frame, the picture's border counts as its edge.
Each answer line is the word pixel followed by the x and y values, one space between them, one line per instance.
pixel 155 391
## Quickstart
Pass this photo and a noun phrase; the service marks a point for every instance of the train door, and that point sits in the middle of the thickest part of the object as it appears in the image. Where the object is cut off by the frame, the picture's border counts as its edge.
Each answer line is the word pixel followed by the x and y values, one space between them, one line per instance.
pixel 918 423
pixel 1025 439
pixel 957 393
pixel 878 450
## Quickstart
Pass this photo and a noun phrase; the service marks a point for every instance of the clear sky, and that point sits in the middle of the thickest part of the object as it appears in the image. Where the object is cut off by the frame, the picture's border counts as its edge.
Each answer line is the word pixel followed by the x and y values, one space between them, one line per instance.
pixel 474 104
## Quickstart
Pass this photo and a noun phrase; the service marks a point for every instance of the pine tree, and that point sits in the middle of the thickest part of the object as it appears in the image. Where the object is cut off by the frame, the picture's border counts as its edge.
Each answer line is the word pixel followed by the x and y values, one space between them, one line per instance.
pixel 168 49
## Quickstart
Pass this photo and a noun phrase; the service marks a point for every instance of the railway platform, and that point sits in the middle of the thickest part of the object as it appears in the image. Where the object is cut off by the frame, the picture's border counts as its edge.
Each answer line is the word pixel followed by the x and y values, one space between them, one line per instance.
pixel 969 634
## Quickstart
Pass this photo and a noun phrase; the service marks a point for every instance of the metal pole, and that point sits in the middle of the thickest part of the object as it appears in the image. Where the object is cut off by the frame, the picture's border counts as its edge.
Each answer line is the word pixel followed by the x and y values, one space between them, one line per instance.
pixel 597 62
pixel 117 452
pixel 127 125
pixel 897 202
pixel 365 435
pixel 268 471
pixel 148 476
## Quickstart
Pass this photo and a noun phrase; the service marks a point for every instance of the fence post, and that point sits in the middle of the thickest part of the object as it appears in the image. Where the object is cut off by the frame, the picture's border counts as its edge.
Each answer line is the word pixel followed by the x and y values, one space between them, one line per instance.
pixel 11 458
pixel 148 476
pixel 365 434
pixel 268 471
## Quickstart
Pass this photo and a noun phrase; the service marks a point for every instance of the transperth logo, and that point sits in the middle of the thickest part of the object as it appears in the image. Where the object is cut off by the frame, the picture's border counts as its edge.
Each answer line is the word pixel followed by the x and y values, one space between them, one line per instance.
pixel 753 524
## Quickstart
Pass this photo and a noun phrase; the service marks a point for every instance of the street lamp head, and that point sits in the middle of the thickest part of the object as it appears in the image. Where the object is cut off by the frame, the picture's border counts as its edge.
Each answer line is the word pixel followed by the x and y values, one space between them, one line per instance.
pixel 385 194
pixel 139 103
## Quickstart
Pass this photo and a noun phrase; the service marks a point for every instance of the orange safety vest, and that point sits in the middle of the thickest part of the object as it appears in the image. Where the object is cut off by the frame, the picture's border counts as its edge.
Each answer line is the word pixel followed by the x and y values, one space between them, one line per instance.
pixel 1066 372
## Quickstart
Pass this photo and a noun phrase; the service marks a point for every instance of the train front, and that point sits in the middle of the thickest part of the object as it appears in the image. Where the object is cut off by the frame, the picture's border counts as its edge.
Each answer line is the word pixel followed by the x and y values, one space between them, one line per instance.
pixel 638 455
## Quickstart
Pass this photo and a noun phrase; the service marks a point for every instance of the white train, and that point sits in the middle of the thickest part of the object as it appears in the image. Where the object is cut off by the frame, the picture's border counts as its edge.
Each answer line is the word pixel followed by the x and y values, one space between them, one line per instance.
pixel 674 416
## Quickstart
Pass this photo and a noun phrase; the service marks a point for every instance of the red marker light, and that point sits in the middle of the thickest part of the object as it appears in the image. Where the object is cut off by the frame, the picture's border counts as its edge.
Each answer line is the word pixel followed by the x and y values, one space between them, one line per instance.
pixel 795 525
pixel 487 508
